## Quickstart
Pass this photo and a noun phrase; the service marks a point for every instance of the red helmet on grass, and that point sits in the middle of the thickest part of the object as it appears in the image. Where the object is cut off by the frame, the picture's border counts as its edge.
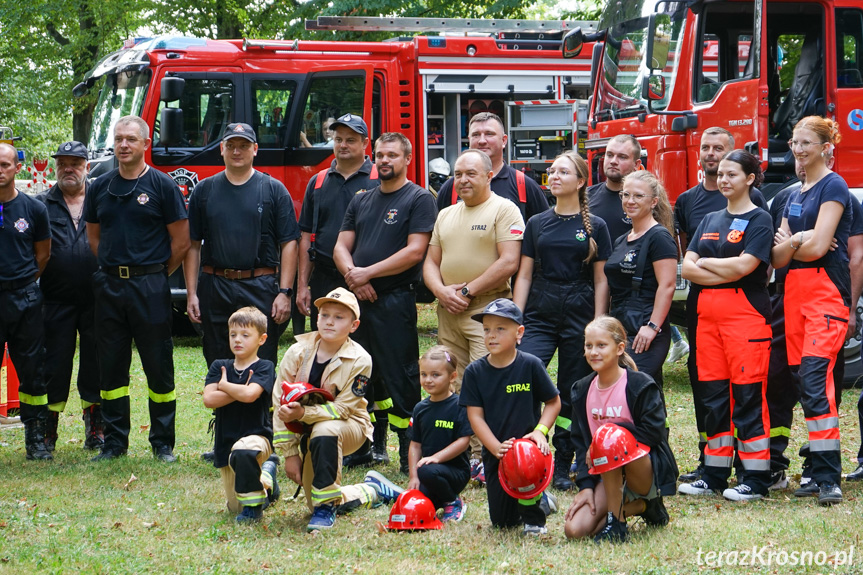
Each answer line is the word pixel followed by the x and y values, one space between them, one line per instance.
pixel 305 394
pixel 524 471
pixel 613 446
pixel 413 511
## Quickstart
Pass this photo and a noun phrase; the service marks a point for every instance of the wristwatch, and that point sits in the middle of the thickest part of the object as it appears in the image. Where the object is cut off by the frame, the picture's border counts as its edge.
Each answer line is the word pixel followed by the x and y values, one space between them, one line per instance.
pixel 465 291
pixel 654 327
pixel 287 291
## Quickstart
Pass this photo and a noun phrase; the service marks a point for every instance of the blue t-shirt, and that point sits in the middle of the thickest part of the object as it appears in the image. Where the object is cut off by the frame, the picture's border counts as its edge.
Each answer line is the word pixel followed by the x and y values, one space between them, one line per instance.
pixel 561 243
pixel 510 396
pixel 801 211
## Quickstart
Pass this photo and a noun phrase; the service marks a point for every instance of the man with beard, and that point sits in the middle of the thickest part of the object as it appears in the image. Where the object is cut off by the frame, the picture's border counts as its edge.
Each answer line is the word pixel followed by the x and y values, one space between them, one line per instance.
pixel 622 157
pixel 379 252
pixel 68 309
pixel 486 133
pixel 689 209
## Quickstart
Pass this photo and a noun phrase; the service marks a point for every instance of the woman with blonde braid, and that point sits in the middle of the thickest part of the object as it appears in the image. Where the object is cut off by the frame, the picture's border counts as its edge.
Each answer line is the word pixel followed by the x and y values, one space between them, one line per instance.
pixel 641 272
pixel 561 287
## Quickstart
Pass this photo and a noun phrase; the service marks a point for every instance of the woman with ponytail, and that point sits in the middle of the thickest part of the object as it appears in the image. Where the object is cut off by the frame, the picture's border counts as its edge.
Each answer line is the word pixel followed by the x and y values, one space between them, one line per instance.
pixel 561 287
pixel 620 394
pixel 813 242
pixel 642 270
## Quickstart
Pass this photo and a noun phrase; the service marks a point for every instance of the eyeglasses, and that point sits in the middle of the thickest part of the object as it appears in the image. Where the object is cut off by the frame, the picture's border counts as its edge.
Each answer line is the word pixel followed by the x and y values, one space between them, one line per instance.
pixel 625 196
pixel 804 144
pixel 559 172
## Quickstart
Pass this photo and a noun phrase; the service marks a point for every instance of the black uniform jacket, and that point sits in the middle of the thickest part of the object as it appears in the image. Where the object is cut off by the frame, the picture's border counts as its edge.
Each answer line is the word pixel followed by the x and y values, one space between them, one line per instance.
pixel 644 399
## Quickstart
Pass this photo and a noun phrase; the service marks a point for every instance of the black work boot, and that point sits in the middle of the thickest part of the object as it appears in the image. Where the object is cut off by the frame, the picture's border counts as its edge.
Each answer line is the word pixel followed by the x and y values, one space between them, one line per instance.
pixel 34 440
pixel 379 447
pixel 51 430
pixel 562 463
pixel 94 431
pixel 362 457
pixel 404 448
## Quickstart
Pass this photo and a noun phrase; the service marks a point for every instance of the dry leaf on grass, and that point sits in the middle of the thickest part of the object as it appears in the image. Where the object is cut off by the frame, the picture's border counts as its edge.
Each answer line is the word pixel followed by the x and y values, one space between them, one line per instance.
pixel 381 527
pixel 144 428
pixel 149 524
pixel 132 480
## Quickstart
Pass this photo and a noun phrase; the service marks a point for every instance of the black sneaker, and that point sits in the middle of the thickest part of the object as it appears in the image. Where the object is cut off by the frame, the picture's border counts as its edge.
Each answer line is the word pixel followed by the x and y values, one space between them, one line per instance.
pixel 164 453
pixel 808 490
pixel 109 453
pixel 829 494
pixel 655 515
pixel 615 531
pixel 692 476
pixel 561 480
pixel 856 475
pixel 250 514
pixel 209 456
pixel 778 480
pixel 806 471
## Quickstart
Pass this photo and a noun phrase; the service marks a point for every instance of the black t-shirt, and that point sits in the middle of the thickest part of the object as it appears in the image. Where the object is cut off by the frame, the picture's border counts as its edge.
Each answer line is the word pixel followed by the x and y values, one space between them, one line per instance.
pixel 25 222
pixel 437 424
pixel 511 396
pixel 621 265
pixel 777 208
pixel 242 226
pixel 695 203
pixel 607 205
pixel 68 276
pixel 382 223
pixel 133 227
pixel 505 185
pixel 335 194
pixel 238 419
pixel 560 244
pixel 723 234
pixel 801 211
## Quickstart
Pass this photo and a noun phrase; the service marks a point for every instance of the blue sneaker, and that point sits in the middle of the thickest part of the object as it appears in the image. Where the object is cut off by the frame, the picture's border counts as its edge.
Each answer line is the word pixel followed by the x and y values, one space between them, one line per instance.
pixel 387 490
pixel 453 511
pixel 250 514
pixel 477 472
pixel 323 517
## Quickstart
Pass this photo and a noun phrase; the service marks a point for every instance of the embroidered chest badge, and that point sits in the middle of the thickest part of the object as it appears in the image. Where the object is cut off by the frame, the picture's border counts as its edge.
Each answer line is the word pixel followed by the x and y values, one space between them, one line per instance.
pixel 580 235
pixel 143 198
pixel 22 225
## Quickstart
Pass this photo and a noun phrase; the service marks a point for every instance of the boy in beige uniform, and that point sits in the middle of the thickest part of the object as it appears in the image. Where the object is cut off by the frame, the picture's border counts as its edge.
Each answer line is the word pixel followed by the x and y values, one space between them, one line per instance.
pixel 474 251
pixel 330 360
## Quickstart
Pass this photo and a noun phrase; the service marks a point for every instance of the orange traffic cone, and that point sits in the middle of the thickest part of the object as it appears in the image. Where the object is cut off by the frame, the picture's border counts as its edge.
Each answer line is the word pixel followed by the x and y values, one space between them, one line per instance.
pixel 8 385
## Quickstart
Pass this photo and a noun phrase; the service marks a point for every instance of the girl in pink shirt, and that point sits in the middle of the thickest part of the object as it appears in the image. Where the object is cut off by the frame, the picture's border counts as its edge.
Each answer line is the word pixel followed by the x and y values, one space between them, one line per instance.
pixel 617 393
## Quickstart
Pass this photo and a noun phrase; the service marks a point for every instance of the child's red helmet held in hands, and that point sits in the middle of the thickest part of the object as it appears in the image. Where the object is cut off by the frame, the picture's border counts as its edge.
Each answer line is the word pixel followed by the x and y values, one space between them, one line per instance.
pixel 613 446
pixel 524 471
pixel 305 394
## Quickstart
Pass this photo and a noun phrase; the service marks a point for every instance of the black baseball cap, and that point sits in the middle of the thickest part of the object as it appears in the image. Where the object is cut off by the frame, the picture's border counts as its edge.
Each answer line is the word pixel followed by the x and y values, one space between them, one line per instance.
pixel 240 130
pixel 353 122
pixel 501 307
pixel 73 148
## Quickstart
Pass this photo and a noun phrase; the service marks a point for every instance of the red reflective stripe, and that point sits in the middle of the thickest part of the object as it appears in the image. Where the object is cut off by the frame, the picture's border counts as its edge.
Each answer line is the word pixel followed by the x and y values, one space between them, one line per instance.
pixel 832 433
pixel 322 175
pixel 522 188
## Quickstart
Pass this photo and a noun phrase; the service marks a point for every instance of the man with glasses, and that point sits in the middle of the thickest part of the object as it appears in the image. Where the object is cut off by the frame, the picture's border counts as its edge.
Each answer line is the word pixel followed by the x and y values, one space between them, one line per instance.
pixel 69 308
pixel 25 246
pixel 138 228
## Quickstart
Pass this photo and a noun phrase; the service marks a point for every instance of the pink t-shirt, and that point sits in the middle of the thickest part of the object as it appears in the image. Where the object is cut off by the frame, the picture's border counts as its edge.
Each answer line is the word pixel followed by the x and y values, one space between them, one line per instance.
pixel 607 405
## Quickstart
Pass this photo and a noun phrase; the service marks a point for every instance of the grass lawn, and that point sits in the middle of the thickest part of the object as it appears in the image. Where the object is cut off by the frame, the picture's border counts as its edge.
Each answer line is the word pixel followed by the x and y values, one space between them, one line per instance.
pixel 137 515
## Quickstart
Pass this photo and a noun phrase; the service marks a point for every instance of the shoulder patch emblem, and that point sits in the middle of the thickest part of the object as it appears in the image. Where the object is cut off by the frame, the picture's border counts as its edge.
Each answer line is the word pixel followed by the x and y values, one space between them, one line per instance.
pixel 359 385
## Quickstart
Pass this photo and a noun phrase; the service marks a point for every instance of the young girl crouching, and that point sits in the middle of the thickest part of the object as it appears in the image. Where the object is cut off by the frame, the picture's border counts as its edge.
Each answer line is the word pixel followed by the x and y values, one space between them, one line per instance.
pixel 617 393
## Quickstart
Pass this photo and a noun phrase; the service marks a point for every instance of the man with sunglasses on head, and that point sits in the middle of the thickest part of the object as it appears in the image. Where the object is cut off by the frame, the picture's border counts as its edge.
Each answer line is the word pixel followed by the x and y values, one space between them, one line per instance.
pixel 138 228
pixel 25 246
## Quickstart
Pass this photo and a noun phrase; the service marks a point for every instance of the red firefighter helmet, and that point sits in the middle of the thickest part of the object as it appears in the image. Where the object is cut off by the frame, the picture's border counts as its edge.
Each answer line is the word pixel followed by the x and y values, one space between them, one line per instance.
pixel 305 394
pixel 613 446
pixel 413 510
pixel 524 471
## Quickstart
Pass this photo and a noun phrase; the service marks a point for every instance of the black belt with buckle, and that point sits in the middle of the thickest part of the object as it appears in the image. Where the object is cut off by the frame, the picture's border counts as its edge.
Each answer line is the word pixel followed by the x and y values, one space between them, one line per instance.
pixel 125 272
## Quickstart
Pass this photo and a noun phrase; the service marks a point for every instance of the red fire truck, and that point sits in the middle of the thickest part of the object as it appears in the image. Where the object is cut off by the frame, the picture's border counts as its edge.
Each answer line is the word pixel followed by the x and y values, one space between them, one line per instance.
pixel 427 87
pixel 664 72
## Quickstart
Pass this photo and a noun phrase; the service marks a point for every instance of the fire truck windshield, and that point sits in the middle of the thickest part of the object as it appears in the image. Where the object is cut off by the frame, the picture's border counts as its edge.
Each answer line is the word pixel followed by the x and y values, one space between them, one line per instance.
pixel 623 66
pixel 122 94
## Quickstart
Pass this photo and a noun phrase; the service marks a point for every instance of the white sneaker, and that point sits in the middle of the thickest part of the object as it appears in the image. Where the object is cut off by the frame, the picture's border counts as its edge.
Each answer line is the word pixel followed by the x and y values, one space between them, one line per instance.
pixel 678 351
pixel 698 487
pixel 741 492
pixel 535 530
pixel 778 481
